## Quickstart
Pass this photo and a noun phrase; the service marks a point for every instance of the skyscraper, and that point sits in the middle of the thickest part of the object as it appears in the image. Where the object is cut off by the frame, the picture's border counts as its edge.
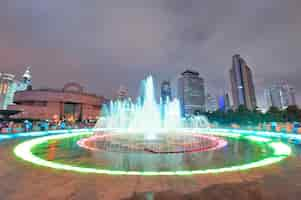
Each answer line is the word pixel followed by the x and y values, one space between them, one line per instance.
pixel 242 86
pixel 9 85
pixel 165 91
pixel 273 97
pixel 292 96
pixel 191 93
pixel 280 95
pixel 211 103
pixel 7 88
pixel 122 93
pixel 267 99
pixel 288 95
pixel 224 102
pixel 26 82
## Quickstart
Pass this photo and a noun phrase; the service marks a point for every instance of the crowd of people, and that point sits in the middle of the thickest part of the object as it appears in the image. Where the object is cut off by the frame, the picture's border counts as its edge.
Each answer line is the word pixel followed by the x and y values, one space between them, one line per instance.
pixel 42 125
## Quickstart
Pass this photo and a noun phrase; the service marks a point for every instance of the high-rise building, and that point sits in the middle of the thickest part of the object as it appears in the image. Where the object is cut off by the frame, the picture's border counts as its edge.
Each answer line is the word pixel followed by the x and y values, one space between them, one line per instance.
pixel 26 81
pixel 273 97
pixel 242 85
pixel 288 95
pixel 191 93
pixel 9 85
pixel 165 91
pixel 280 95
pixel 211 103
pixel 267 99
pixel 224 102
pixel 292 96
pixel 122 93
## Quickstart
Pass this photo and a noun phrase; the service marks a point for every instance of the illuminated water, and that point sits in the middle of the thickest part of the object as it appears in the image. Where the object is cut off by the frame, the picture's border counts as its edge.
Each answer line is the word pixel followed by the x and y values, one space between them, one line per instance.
pixel 152 121
pixel 146 115
pixel 67 151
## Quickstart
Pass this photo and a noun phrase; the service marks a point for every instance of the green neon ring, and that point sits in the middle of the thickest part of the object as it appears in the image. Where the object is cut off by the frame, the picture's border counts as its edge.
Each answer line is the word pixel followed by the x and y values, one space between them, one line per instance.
pixel 23 151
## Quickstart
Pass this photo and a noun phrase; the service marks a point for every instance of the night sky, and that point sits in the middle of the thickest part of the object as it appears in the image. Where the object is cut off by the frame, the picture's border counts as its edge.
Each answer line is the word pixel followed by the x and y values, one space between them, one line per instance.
pixel 104 44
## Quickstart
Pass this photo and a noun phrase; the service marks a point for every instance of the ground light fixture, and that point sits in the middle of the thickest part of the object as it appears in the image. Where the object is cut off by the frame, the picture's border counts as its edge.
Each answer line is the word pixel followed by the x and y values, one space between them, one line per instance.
pixel 279 151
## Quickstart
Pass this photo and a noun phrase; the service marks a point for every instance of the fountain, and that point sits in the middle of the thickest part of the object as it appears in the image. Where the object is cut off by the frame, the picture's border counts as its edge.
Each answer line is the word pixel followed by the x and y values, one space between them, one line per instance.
pixel 149 127
pixel 146 115
pixel 149 138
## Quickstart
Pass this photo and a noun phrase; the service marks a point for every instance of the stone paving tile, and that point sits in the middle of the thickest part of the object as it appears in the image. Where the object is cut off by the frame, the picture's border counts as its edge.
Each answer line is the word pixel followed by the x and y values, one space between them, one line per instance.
pixel 21 181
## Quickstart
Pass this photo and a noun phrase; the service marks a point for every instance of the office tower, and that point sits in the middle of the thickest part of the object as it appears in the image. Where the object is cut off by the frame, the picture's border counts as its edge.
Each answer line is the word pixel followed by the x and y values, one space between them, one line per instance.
pixel 191 93
pixel 9 85
pixel 26 82
pixel 288 95
pixel 280 95
pixel 7 88
pixel 267 99
pixel 224 102
pixel 165 91
pixel 292 96
pixel 211 103
pixel 242 86
pixel 122 93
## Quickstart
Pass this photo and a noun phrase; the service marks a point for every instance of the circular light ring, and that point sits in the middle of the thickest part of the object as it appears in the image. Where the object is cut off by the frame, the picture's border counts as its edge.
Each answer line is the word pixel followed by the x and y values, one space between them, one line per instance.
pixel 216 143
pixel 23 151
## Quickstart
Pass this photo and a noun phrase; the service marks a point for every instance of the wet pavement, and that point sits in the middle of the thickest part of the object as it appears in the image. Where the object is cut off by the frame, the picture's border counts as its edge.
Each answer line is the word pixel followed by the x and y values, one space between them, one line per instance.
pixel 22 180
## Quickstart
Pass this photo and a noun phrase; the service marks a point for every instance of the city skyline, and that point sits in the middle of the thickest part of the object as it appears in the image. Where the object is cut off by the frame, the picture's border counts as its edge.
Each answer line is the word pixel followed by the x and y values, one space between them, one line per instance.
pixel 130 41
pixel 263 104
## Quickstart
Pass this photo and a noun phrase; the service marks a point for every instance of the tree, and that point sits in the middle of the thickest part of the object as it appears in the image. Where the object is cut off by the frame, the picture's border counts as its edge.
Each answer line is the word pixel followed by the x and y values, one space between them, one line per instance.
pixel 274 114
pixel 292 113
pixel 243 116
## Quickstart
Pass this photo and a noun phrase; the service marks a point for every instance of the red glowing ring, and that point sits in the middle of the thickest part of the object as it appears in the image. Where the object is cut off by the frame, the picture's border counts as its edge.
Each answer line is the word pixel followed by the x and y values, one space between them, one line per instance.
pixel 215 143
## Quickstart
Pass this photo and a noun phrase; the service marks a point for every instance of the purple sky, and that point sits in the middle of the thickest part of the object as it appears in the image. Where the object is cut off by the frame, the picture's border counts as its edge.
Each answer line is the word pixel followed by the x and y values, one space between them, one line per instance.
pixel 103 44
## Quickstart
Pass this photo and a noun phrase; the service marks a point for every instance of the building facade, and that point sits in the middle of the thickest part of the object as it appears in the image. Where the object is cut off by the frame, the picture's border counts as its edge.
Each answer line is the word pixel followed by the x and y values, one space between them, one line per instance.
pixel 293 96
pixel 273 97
pixel 165 91
pixel 211 103
pixel 191 93
pixel 280 95
pixel 289 95
pixel 70 103
pixel 122 93
pixel 9 85
pixel 224 102
pixel 242 85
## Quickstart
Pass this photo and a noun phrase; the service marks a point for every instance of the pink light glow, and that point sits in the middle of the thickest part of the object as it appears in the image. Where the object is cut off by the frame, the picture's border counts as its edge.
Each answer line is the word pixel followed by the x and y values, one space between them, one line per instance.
pixel 217 143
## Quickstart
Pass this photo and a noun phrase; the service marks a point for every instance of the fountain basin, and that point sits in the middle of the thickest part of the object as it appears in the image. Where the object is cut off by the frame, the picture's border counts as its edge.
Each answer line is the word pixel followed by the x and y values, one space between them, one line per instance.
pixel 162 144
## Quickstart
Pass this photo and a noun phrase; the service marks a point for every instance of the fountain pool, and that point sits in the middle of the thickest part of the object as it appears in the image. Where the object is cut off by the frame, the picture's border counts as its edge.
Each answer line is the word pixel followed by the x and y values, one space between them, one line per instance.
pixel 149 138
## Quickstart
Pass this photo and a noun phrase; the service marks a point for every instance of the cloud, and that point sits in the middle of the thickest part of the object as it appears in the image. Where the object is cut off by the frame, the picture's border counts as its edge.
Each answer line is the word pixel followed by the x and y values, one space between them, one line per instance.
pixel 103 44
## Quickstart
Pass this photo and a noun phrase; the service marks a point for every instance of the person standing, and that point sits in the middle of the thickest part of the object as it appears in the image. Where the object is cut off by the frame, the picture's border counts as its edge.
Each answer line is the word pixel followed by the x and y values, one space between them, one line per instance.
pixel 62 124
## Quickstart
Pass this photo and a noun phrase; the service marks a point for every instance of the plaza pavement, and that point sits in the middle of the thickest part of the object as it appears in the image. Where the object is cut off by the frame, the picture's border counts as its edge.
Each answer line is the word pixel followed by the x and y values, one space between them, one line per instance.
pixel 20 180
